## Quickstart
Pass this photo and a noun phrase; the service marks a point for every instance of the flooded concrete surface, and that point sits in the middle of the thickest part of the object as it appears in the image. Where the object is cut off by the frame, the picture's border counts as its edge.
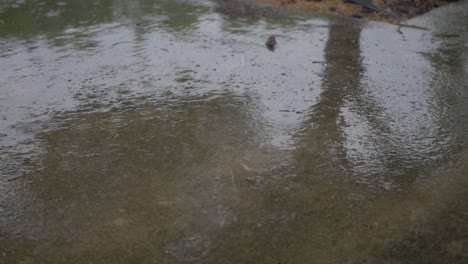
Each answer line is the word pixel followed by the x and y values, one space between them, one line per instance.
pixel 166 132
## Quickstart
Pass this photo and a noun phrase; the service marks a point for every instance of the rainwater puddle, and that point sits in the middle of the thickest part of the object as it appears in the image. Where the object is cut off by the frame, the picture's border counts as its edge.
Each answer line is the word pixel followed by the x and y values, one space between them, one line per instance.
pixel 166 132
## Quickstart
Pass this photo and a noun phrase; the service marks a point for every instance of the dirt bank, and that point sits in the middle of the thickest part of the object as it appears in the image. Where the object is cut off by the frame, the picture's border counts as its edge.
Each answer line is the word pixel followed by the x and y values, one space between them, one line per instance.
pixel 391 10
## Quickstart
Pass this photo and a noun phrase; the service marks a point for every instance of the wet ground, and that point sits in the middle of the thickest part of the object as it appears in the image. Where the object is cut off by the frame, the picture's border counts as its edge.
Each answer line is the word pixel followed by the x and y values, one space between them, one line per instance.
pixel 391 11
pixel 166 132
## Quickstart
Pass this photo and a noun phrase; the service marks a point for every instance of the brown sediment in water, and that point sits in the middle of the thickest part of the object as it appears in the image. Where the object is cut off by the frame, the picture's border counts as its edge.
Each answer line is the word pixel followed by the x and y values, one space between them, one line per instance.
pixel 401 9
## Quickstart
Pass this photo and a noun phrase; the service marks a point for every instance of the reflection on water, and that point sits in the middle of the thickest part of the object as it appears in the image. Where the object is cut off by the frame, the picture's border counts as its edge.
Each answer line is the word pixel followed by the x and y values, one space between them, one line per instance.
pixel 166 132
pixel 323 131
pixel 165 172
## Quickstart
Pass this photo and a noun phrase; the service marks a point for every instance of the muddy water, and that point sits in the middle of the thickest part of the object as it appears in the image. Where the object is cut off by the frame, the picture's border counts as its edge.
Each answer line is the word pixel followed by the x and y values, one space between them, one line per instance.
pixel 166 132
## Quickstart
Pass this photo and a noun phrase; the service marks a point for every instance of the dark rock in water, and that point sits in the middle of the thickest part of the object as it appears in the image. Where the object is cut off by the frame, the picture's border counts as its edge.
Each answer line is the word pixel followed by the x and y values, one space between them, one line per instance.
pixel 332 8
pixel 369 4
pixel 271 43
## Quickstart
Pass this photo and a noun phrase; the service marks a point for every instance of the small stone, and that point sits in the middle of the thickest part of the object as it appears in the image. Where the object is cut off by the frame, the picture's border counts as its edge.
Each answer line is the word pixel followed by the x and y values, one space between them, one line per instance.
pixel 271 43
